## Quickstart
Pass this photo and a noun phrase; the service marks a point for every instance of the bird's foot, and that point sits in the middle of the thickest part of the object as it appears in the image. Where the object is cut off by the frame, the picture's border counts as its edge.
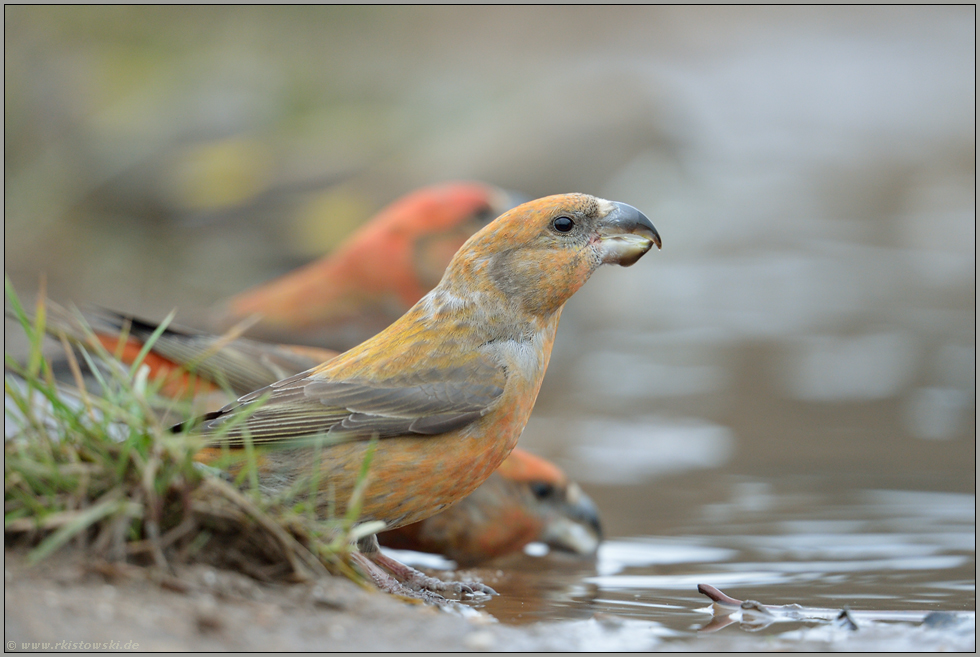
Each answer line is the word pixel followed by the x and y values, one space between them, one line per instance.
pixel 389 584
pixel 420 581
pixel 392 576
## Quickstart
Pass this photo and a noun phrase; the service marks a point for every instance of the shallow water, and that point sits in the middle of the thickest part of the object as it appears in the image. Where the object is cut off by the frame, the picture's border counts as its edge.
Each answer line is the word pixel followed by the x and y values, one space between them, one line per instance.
pixel 891 557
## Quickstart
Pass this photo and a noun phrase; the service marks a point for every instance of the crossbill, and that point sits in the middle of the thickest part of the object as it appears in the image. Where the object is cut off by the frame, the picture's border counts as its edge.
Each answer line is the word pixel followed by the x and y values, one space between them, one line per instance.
pixel 376 275
pixel 526 499
pixel 445 390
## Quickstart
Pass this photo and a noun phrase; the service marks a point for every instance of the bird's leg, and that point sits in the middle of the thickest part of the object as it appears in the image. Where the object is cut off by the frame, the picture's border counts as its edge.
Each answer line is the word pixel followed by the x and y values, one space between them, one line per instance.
pixel 419 580
pixel 408 577
pixel 389 584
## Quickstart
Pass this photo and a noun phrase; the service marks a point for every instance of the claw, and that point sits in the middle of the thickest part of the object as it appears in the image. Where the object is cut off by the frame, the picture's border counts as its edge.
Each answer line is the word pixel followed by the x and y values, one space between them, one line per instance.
pixel 407 581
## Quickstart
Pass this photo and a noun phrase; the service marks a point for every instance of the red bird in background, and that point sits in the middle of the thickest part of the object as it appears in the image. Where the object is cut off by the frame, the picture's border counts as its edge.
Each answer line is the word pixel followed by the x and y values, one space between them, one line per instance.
pixel 445 390
pixel 374 276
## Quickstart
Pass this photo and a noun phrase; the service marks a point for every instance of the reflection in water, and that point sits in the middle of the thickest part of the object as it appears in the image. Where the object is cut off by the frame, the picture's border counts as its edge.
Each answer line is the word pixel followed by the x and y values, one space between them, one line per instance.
pixel 754 616
pixel 616 556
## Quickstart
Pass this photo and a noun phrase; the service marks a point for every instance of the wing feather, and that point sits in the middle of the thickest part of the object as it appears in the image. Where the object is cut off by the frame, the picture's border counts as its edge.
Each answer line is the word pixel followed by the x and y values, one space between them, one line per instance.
pixel 306 404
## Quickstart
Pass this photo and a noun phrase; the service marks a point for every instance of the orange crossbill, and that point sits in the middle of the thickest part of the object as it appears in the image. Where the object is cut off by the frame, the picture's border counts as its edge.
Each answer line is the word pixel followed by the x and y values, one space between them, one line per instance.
pixel 526 499
pixel 376 275
pixel 447 389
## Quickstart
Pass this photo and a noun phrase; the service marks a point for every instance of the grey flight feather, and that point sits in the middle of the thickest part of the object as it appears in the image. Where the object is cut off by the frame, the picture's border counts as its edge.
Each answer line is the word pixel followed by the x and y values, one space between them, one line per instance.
pixel 306 405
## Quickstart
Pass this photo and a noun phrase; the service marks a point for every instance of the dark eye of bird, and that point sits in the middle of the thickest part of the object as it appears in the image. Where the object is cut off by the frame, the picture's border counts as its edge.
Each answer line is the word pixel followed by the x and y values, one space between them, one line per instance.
pixel 563 224
pixel 541 489
pixel 484 214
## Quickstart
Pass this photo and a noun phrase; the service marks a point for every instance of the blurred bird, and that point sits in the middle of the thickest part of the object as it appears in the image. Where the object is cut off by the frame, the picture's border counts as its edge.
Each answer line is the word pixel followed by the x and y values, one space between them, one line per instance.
pixel 526 499
pixel 447 388
pixel 375 275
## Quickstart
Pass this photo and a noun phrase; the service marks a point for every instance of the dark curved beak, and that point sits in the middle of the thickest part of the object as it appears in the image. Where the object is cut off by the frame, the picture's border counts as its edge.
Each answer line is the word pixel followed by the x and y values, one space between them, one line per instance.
pixel 577 528
pixel 626 235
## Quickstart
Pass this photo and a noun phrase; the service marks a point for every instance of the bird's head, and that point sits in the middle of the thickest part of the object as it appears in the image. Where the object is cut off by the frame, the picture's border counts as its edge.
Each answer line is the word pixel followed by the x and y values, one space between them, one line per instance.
pixel 540 253
pixel 568 518
pixel 437 220
pixel 444 207
pixel 405 249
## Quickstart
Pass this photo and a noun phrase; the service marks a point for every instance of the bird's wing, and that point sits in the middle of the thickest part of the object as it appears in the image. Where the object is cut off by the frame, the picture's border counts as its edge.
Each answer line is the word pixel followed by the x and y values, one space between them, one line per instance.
pixel 429 403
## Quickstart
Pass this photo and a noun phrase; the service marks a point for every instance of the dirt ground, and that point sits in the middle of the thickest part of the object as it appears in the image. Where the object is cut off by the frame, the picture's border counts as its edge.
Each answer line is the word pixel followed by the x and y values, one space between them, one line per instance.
pixel 67 599
pixel 66 603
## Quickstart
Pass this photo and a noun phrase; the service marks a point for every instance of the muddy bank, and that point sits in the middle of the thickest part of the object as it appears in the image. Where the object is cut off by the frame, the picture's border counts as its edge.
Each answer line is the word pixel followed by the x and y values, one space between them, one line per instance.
pixel 199 608
pixel 67 601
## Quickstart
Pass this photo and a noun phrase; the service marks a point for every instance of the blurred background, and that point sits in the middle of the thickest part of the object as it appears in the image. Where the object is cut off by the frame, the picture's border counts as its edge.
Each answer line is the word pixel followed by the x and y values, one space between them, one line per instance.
pixel 811 317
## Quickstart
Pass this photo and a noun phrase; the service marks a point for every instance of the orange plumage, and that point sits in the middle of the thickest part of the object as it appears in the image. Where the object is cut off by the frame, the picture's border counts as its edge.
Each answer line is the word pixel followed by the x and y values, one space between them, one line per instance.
pixel 448 387
pixel 527 499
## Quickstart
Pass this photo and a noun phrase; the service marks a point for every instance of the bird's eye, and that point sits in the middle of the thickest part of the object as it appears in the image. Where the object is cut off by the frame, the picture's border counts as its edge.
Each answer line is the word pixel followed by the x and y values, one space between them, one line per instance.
pixel 541 489
pixel 484 214
pixel 563 224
